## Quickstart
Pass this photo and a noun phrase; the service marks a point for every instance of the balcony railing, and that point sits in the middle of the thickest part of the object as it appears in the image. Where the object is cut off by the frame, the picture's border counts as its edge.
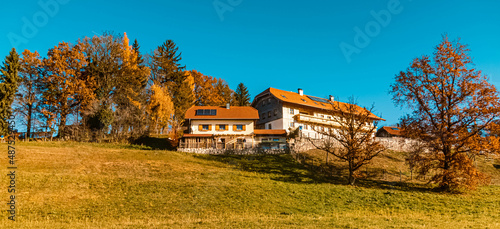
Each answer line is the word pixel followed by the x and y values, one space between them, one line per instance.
pixel 303 118
pixel 316 120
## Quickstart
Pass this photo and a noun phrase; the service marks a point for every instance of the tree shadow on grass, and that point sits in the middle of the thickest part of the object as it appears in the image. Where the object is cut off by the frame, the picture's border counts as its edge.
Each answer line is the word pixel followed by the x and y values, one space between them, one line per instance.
pixel 280 167
pixel 284 167
pixel 154 143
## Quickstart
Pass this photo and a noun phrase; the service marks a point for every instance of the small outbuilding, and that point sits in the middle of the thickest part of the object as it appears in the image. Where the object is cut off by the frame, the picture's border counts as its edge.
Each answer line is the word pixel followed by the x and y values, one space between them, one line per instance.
pixel 389 132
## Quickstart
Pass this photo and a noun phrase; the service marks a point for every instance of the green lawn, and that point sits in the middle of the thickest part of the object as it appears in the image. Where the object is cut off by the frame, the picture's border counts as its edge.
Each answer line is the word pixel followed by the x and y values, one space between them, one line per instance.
pixel 77 185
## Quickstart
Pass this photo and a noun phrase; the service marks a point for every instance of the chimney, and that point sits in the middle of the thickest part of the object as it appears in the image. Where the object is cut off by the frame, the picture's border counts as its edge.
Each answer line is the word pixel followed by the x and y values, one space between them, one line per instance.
pixel 301 92
pixel 227 105
pixel 332 99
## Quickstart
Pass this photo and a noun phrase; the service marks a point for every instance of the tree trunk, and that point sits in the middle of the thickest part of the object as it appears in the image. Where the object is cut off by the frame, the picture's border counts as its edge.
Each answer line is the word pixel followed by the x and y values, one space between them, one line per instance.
pixel 352 179
pixel 28 124
pixel 62 125
pixel 446 166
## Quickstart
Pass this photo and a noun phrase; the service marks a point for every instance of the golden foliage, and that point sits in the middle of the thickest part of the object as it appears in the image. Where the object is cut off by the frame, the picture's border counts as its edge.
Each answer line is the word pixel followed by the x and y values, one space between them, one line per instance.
pixel 208 90
pixel 160 107
pixel 67 88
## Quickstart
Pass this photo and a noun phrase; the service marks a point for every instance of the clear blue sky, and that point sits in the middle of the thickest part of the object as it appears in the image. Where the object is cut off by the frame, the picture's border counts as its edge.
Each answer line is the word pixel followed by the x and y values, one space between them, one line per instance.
pixel 280 44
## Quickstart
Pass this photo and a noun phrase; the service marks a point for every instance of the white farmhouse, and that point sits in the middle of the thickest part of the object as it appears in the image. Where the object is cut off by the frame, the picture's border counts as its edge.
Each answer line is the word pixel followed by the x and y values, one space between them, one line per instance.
pixel 287 110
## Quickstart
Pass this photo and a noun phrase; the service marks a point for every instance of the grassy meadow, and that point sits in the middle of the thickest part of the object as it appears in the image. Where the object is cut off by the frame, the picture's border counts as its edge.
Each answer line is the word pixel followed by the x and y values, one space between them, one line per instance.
pixel 84 185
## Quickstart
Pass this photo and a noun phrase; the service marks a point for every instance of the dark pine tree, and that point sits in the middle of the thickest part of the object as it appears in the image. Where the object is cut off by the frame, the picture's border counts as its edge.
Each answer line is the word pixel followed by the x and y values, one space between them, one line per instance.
pixel 136 48
pixel 168 72
pixel 9 79
pixel 241 96
pixel 166 68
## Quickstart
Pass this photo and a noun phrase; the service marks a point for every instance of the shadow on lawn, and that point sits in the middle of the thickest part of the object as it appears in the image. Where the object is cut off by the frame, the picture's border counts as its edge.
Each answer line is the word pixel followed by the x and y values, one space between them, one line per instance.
pixel 281 167
pixel 284 167
pixel 154 143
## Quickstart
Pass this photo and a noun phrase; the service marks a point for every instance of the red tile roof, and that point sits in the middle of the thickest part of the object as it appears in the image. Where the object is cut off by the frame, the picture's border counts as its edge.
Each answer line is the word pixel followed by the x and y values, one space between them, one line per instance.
pixel 269 132
pixel 392 130
pixel 234 112
pixel 295 98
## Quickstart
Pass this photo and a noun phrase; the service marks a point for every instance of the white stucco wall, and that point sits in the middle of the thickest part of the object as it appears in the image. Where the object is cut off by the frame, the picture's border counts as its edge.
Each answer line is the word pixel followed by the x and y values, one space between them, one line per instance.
pixel 248 129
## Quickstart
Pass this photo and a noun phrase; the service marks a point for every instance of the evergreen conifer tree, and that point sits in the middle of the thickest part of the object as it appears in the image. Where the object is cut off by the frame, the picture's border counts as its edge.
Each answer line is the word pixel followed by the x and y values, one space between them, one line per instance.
pixel 241 96
pixel 9 78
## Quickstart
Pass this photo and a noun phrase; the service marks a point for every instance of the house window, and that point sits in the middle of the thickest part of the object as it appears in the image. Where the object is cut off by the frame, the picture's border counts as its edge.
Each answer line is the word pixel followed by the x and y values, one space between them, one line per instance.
pixel 269 100
pixel 275 112
pixel 269 126
pixel 204 127
pixel 222 127
pixel 276 139
pixel 269 114
pixel 305 126
pixel 291 110
pixel 300 127
pixel 263 115
pixel 239 127
pixel 263 102
pixel 291 124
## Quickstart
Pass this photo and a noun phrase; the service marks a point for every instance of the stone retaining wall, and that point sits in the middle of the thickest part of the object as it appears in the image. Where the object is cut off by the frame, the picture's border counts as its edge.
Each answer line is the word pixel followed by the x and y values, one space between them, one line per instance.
pixel 248 151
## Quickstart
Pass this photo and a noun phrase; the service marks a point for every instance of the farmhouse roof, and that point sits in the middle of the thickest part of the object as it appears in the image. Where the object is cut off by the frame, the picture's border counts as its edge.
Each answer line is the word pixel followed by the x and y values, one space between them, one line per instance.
pixel 308 100
pixel 222 112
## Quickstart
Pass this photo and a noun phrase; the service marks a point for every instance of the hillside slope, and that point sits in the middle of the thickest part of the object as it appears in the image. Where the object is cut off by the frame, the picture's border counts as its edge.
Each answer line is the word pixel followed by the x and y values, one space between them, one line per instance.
pixel 74 185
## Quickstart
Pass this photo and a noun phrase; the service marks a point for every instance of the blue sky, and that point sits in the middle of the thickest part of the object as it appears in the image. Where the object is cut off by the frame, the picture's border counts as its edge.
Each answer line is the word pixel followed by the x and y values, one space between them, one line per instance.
pixel 281 44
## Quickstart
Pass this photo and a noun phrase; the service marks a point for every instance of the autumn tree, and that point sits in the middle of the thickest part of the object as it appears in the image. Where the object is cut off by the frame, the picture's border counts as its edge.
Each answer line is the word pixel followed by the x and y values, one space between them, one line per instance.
pixel 451 103
pixel 160 108
pixel 241 97
pixel 28 96
pixel 130 96
pixel 351 138
pixel 223 93
pixel 66 88
pixel 104 56
pixel 203 89
pixel 9 80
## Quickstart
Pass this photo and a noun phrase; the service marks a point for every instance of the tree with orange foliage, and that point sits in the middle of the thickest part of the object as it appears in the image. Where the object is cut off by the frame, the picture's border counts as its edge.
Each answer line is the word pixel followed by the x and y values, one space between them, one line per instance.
pixel 65 87
pixel 452 104
pixel 204 91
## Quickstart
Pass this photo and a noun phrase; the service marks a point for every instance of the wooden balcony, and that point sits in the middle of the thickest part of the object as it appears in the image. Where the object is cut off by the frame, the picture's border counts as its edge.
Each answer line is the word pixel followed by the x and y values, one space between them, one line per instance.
pixel 314 120
pixel 303 118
